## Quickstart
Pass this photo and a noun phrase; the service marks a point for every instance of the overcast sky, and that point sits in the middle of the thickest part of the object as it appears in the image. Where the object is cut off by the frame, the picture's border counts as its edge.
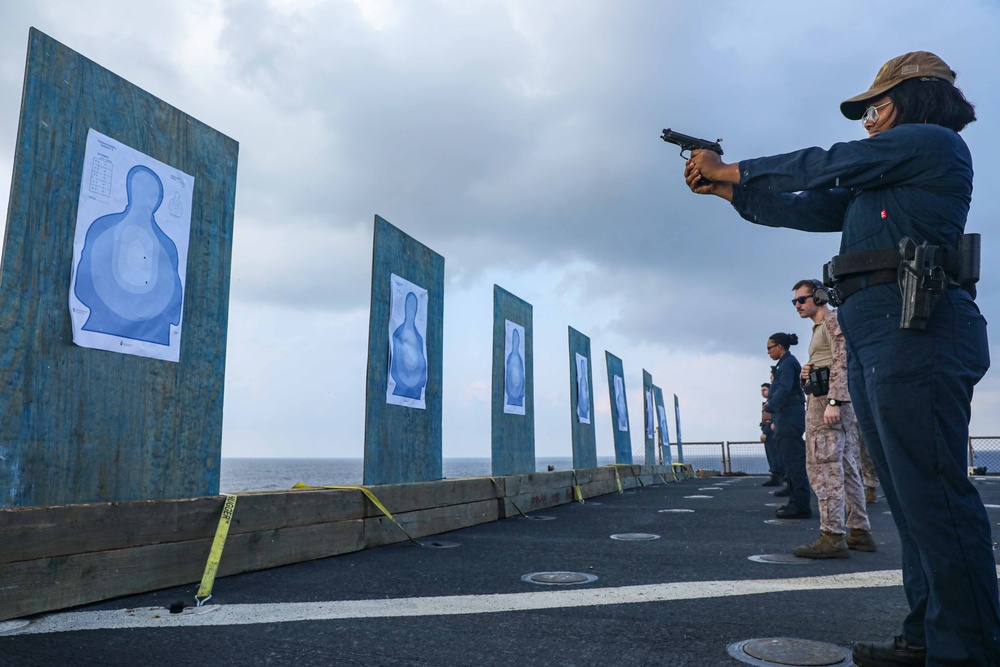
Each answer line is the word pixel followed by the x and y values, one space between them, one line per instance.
pixel 520 140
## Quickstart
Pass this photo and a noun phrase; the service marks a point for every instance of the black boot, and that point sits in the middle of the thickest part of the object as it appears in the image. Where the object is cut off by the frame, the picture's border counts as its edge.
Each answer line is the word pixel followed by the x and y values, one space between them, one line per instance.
pixel 897 651
pixel 774 481
pixel 783 493
pixel 792 512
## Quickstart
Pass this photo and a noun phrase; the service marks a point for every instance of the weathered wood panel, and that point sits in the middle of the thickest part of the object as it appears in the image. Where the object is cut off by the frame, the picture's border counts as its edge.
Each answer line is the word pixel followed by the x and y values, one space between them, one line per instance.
pixel 662 428
pixel 539 481
pixel 425 495
pixel 649 418
pixel 538 500
pixel 595 474
pixel 403 444
pixel 584 436
pixel 35 586
pixel 513 435
pixel 620 425
pixel 36 532
pixel 380 530
pixel 80 425
pixel 677 427
pixel 598 488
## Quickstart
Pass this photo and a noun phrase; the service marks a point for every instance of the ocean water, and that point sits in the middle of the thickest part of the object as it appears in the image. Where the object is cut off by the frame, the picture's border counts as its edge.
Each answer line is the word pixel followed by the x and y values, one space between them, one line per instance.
pixel 254 474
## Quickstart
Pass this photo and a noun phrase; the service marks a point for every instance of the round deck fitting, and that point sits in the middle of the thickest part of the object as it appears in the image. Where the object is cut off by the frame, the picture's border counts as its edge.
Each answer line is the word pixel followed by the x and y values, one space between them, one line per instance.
pixel 782 522
pixel 558 578
pixel 712 488
pixel 783 651
pixel 698 496
pixel 438 544
pixel 780 559
pixel 10 627
pixel 675 510
pixel 636 537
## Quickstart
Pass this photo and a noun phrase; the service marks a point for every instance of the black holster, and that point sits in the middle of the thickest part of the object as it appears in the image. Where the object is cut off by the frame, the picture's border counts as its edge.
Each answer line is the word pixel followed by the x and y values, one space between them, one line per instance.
pixel 819 381
pixel 922 281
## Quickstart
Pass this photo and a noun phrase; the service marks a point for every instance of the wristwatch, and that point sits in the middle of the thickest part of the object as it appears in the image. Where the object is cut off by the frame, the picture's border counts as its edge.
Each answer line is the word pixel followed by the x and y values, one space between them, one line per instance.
pixel 835 403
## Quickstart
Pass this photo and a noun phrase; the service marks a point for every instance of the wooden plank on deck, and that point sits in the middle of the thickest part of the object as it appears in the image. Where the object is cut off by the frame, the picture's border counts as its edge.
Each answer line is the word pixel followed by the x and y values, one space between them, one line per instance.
pixel 44 584
pixel 36 532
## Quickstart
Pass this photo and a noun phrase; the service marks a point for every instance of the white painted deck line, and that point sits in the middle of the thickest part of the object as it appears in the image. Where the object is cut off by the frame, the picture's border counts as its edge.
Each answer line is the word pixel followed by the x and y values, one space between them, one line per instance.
pixel 286 612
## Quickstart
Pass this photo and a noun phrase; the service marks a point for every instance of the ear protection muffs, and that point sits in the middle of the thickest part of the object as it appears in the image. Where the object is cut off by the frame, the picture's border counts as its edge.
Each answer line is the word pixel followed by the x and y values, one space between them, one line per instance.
pixel 820 296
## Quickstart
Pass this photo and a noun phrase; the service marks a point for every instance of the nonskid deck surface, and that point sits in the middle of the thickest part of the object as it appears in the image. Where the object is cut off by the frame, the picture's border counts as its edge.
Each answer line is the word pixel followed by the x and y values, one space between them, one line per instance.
pixel 468 597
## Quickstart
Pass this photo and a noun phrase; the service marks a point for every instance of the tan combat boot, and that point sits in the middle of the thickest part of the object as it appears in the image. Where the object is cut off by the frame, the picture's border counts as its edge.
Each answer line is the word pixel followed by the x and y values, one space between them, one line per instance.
pixel 860 540
pixel 829 545
pixel 870 495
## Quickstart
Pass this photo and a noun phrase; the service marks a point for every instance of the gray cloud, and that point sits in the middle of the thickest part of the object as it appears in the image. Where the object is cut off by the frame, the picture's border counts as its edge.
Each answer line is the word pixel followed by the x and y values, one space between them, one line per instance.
pixel 520 136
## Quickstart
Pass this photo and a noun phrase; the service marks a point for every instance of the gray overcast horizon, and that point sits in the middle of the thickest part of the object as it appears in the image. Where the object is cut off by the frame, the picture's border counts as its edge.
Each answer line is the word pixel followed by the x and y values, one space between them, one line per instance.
pixel 519 139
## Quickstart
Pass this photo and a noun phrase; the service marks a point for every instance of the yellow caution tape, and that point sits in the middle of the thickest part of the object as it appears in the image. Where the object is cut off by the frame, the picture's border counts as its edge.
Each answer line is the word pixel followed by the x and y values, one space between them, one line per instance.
pixel 215 555
pixel 576 488
pixel 368 493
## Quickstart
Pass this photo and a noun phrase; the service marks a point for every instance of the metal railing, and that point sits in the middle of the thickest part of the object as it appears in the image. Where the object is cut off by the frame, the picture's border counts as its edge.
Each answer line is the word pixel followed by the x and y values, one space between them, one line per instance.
pixel 727 456
pixel 701 455
pixel 984 455
pixel 747 457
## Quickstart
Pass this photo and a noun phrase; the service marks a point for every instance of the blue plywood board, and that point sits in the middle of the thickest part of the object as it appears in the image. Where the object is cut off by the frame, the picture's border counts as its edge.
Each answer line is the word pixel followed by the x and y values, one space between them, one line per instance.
pixel 584 435
pixel 649 418
pixel 77 424
pixel 403 444
pixel 677 418
pixel 661 426
pixel 513 435
pixel 620 425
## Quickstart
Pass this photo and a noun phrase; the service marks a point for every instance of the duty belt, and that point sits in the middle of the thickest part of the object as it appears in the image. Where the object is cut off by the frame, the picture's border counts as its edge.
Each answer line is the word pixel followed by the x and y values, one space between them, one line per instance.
pixel 848 273
pixel 846 287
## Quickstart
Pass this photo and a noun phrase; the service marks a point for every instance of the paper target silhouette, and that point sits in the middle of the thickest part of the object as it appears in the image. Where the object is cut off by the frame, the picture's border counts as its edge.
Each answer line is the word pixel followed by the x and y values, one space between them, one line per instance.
pixel 127 273
pixel 130 252
pixel 409 365
pixel 407 377
pixel 621 409
pixel 650 425
pixel 582 389
pixel 514 375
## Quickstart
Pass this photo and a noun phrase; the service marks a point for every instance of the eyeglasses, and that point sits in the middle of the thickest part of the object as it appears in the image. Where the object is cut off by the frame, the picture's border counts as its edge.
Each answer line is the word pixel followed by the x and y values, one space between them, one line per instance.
pixel 801 299
pixel 871 113
pixel 769 347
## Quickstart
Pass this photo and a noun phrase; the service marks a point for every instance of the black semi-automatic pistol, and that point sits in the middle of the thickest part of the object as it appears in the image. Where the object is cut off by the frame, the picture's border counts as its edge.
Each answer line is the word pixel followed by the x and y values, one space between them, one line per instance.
pixel 688 143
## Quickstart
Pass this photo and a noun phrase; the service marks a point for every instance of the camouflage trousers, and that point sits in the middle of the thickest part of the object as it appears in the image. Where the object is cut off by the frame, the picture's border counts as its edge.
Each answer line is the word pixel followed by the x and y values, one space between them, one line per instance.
pixel 868 474
pixel 832 454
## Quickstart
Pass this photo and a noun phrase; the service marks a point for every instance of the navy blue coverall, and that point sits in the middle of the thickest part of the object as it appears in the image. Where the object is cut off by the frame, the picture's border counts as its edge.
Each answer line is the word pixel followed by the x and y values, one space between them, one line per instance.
pixel 786 402
pixel 911 389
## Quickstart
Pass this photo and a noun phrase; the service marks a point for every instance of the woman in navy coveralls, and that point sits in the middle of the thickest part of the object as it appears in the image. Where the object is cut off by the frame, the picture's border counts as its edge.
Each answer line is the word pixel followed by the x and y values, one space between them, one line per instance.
pixel 912 389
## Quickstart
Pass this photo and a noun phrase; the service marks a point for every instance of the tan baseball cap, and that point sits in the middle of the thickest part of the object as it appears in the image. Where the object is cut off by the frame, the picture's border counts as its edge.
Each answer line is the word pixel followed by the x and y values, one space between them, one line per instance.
pixel 917 64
